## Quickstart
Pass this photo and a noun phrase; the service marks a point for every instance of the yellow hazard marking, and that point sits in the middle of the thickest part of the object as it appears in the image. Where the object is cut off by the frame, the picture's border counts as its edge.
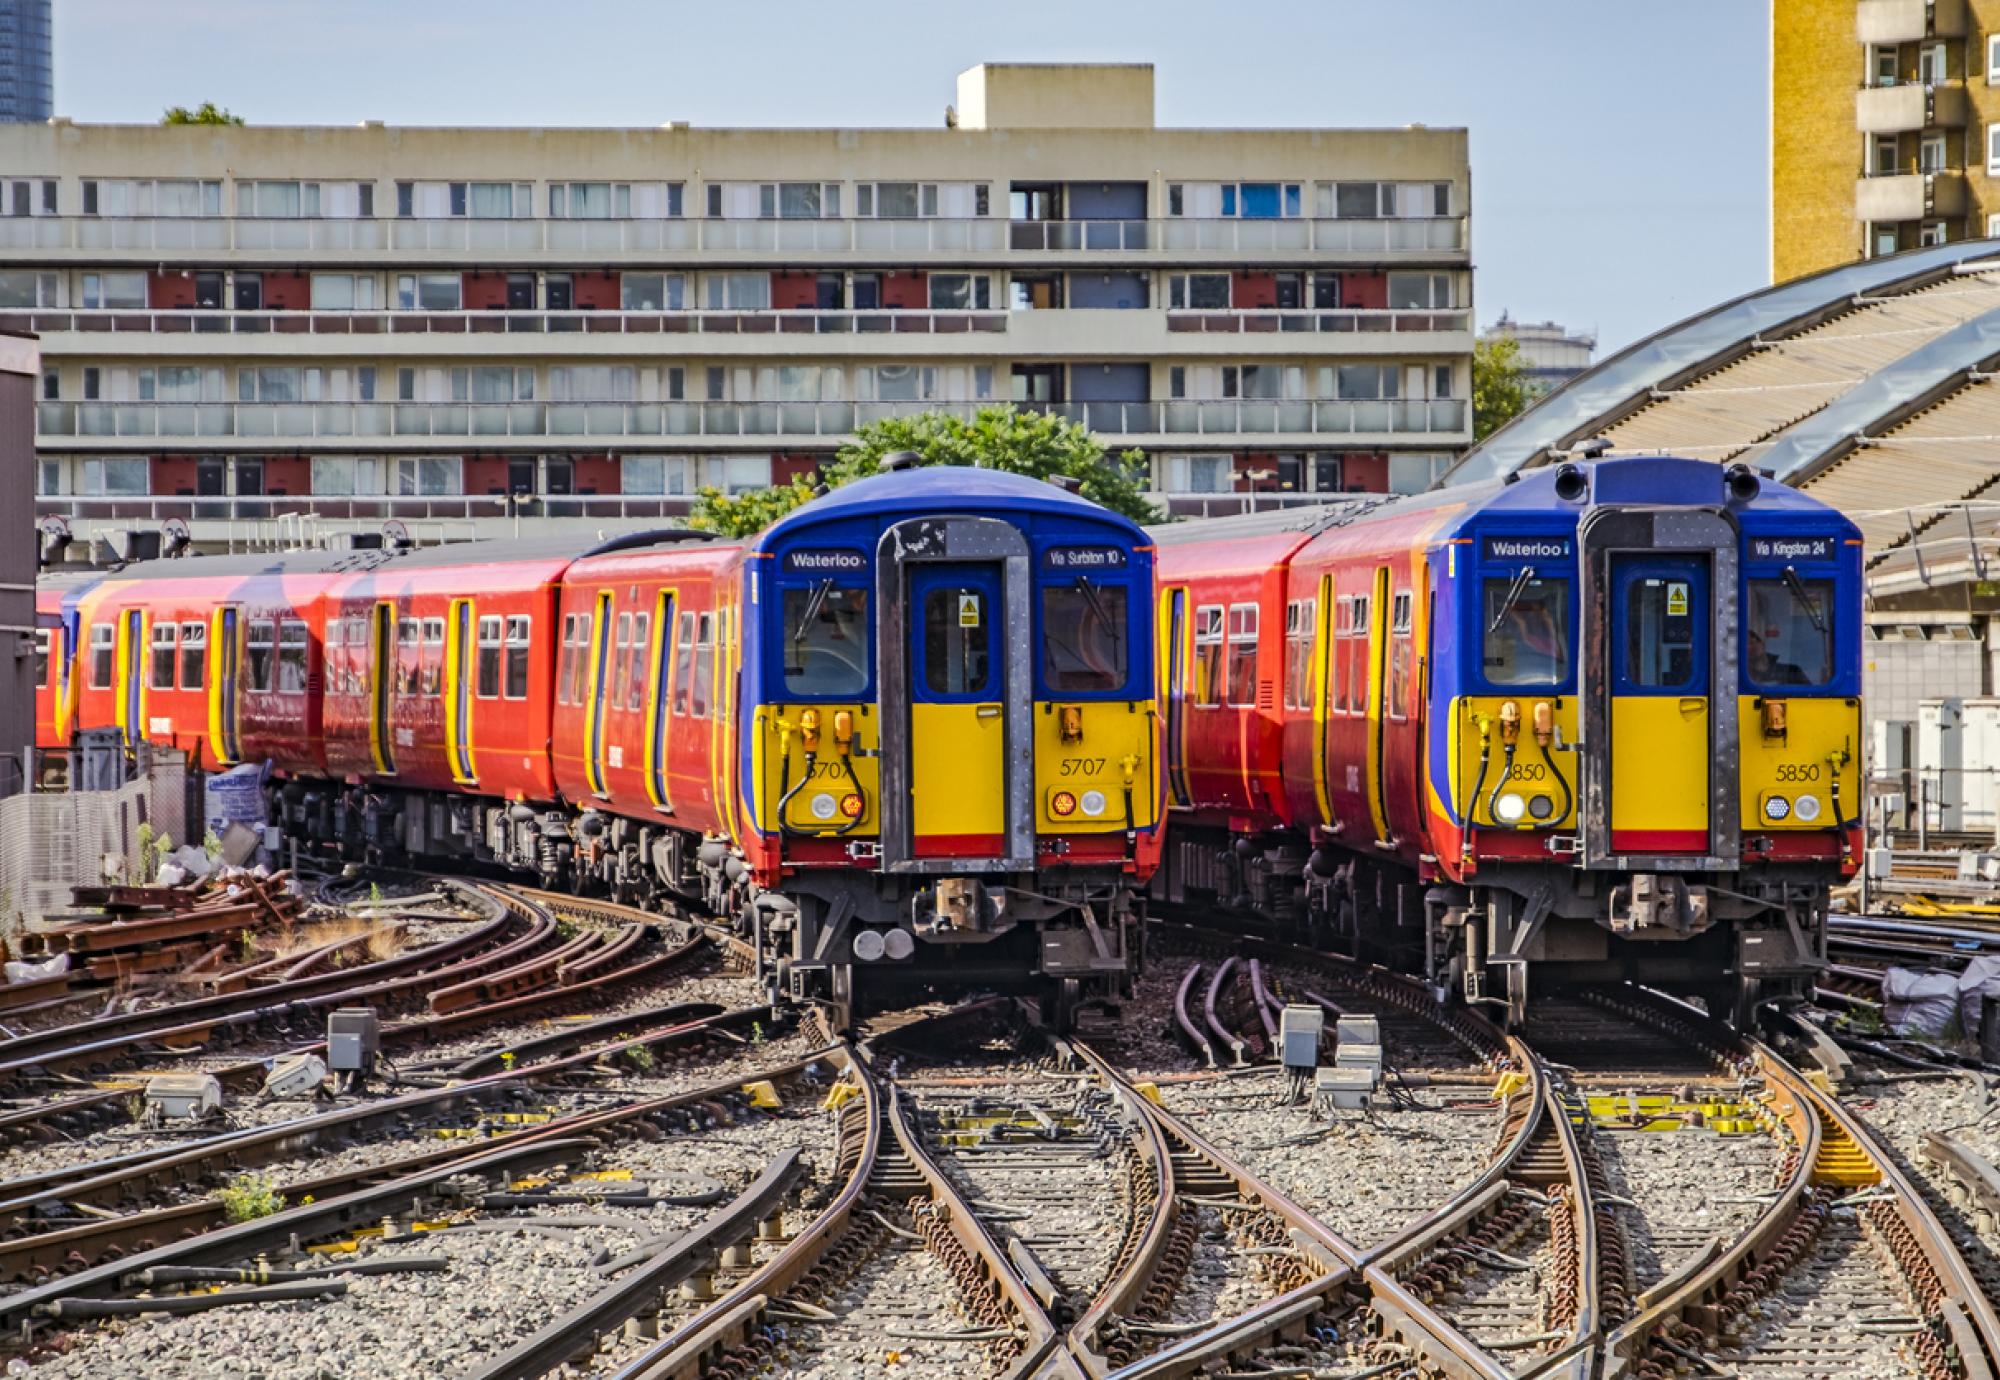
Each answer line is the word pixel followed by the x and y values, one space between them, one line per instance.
pixel 604 1176
pixel 1149 1091
pixel 968 610
pixel 1663 1112
pixel 1510 1083
pixel 763 1095
pixel 1841 1162
pixel 1677 599
pixel 839 1095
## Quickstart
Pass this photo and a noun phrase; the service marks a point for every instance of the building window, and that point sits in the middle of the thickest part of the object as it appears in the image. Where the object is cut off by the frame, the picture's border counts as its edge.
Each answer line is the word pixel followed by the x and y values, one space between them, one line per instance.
pixel 736 474
pixel 30 197
pixel 1198 292
pixel 1931 64
pixel 143 197
pixel 739 291
pixel 1884 161
pixel 428 292
pixel 1882 241
pixel 51 385
pixel 1930 153
pixel 1361 382
pixel 19 288
pixel 1412 474
pixel 1419 291
pixel 1993 150
pixel 1930 234
pixel 1993 227
pixel 960 291
pixel 592 383
pixel 346 475
pixel 1882 66
pixel 113 477
pixel 918 200
pixel 652 291
pixel 114 291
pixel 1381 200
pixel 428 476
pixel 343 292
pixel 1993 59
pixel 653 474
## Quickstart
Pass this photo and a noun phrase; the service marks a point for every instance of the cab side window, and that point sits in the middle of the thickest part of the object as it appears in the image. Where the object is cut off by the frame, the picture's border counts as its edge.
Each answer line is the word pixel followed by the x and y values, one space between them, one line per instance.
pixel 1242 655
pixel 1208 625
pixel 103 654
pixel 194 655
pixel 161 676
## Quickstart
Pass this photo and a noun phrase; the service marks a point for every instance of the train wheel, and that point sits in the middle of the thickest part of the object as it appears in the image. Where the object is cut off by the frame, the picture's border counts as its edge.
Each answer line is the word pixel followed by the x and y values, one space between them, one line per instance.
pixel 1064 1001
pixel 1517 995
pixel 1749 996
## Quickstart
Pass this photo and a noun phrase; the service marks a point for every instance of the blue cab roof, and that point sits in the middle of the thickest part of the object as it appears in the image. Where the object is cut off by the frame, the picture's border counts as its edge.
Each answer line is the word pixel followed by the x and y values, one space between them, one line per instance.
pixel 943 489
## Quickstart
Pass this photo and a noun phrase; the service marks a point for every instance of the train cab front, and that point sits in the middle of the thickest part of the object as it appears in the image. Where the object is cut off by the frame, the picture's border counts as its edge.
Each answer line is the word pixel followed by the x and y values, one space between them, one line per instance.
pixel 955 737
pixel 1672 803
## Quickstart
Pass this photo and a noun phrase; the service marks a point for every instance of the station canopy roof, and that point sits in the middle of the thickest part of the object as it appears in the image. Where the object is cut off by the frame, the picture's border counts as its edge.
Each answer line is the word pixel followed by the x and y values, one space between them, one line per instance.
pixel 1875 387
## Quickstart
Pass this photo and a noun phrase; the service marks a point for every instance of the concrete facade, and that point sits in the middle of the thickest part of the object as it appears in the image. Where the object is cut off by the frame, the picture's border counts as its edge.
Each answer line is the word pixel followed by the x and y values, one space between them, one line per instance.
pixel 247 325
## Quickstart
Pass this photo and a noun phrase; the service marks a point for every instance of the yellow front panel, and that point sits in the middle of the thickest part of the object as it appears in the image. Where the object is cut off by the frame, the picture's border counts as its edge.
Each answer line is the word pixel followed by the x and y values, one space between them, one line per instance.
pixel 1533 775
pixel 780 764
pixel 1112 755
pixel 1659 765
pixel 1818 747
pixel 958 769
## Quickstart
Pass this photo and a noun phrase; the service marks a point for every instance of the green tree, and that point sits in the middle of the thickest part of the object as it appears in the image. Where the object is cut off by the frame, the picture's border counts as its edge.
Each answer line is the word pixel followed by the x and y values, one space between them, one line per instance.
pixel 1500 387
pixel 1036 444
pixel 207 113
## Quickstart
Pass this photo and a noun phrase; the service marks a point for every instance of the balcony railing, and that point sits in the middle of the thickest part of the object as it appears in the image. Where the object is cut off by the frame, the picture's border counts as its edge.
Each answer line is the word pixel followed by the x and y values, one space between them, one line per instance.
pixel 361 425
pixel 812 322
pixel 1257 320
pixel 531 238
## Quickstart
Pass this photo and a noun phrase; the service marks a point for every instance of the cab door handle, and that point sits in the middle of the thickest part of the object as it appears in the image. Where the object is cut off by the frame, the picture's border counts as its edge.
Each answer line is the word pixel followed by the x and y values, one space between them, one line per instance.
pixel 1693 704
pixel 988 711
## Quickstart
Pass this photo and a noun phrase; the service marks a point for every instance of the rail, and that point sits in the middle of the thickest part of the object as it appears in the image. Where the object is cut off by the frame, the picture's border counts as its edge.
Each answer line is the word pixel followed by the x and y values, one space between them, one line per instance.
pixel 376 424
pixel 1153 238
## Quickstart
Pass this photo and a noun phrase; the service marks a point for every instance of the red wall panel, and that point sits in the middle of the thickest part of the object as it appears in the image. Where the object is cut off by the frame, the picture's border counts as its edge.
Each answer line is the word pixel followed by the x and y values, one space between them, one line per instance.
pixel 596 291
pixel 1254 290
pixel 173 474
pixel 905 291
pixel 1364 291
pixel 169 291
pixel 596 474
pixel 1364 471
pixel 287 474
pixel 794 291
pixel 485 474
pixel 785 467
pixel 485 291
pixel 287 292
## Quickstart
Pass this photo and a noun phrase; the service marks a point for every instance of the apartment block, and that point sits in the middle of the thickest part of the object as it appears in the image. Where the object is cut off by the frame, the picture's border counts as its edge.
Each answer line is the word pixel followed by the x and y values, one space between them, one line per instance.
pixel 27 60
pixel 1885 128
pixel 471 328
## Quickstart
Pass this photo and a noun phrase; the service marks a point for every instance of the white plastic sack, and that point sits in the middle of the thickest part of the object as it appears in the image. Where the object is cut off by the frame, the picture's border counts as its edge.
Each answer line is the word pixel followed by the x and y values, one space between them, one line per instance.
pixel 171 874
pixel 1981 978
pixel 191 860
pixel 235 796
pixel 20 970
pixel 1919 1005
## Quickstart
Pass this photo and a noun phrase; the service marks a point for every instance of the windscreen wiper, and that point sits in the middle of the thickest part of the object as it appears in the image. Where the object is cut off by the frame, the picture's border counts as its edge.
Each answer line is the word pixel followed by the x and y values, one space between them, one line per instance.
pixel 1804 596
pixel 813 606
pixel 1522 578
pixel 1090 597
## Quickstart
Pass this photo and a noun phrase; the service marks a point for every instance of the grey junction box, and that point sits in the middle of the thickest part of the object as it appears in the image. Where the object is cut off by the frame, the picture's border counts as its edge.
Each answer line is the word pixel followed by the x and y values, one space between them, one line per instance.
pixel 353 1034
pixel 1299 1030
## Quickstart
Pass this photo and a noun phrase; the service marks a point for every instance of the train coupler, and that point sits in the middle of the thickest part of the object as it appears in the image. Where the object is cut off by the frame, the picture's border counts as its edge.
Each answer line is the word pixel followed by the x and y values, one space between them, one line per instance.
pixel 1654 902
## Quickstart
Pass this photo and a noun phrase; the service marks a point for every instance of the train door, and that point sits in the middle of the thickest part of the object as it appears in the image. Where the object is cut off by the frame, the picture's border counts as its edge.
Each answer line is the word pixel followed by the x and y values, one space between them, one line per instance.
pixel 1661 687
pixel 132 676
pixel 957 715
pixel 382 687
pixel 458 656
pixel 226 654
pixel 657 720
pixel 1378 703
pixel 600 657
pixel 1175 679
pixel 1322 679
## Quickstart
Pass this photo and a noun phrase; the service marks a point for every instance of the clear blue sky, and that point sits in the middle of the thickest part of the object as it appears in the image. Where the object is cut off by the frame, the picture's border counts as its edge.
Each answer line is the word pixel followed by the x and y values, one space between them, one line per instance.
pixel 1619 153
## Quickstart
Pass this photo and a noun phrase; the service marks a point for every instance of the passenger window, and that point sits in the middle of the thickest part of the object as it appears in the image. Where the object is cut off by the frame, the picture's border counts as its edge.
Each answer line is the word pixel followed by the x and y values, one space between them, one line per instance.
pixel 433 655
pixel 1525 623
pixel 1242 655
pixel 294 642
pixel 567 668
pixel 44 639
pixel 826 640
pixel 1400 655
pixel 635 694
pixel 103 654
pixel 489 657
pixel 162 671
pixel 194 655
pixel 1083 636
pixel 956 641
pixel 684 665
pixel 1789 632
pixel 410 656
pixel 1300 620
pixel 1659 634
pixel 704 664
pixel 1357 655
pixel 260 648
pixel 580 668
pixel 517 657
pixel 1208 622
pixel 621 660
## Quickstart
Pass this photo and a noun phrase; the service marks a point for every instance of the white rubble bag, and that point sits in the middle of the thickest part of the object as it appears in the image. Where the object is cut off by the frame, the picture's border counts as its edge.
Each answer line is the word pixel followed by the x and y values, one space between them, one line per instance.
pixel 1917 1005
pixel 1980 979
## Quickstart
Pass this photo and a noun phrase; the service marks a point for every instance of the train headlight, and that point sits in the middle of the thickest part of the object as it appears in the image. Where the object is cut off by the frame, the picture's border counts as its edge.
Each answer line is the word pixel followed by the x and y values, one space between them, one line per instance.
pixel 1806 809
pixel 868 945
pixel 851 805
pixel 1509 808
pixel 823 806
pixel 1777 807
pixel 1093 803
pixel 1062 804
pixel 1541 807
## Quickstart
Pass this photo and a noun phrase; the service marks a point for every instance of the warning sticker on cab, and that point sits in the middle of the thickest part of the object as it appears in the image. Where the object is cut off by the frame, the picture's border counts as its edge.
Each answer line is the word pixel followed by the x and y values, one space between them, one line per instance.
pixel 1677 599
pixel 968 610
